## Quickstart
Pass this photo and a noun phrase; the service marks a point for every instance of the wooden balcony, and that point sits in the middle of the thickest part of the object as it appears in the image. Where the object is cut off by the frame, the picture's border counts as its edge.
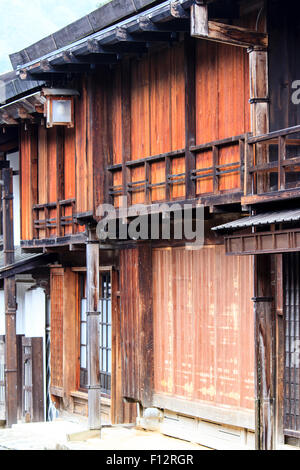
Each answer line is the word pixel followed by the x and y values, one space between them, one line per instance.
pixel 216 175
pixel 272 167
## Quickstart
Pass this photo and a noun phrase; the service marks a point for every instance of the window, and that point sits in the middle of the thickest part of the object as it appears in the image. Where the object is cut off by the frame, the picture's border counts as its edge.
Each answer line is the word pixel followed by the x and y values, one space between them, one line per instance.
pixel 83 333
pixel 105 333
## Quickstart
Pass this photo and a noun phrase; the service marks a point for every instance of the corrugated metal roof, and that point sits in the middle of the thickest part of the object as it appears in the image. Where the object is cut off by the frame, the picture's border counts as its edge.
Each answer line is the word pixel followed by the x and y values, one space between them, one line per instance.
pixel 262 219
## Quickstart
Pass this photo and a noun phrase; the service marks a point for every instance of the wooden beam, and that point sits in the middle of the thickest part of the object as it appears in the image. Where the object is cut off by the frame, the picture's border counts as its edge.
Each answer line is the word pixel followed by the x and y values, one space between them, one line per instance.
pixel 126 126
pixel 145 300
pixel 70 358
pixel 279 350
pixel 199 20
pixel 11 376
pixel 7 119
pixel 173 11
pixel 37 379
pixel 259 94
pixel 201 27
pixel 24 114
pixel 190 114
pixel 70 58
pixel 264 353
pixel 60 181
pixel 116 379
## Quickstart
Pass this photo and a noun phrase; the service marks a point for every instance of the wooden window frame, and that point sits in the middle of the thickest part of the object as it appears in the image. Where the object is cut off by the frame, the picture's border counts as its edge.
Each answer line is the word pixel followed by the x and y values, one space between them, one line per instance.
pixel 81 274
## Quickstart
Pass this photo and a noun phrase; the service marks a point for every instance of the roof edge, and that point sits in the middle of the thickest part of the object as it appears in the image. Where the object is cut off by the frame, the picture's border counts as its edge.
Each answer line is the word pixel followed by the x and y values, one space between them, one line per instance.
pixel 105 16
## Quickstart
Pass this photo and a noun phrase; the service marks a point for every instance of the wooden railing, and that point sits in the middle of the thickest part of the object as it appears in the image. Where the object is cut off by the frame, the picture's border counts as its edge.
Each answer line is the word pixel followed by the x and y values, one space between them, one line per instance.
pixel 272 162
pixel 52 219
pixel 215 172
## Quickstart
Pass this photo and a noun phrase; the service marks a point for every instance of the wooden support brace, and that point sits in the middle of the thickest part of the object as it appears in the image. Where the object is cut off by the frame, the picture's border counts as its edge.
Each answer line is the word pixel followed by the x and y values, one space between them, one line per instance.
pixel 201 27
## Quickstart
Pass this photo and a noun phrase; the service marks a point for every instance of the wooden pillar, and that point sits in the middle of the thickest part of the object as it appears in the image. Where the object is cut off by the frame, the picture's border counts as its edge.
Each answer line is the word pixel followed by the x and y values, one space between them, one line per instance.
pixel 126 126
pixel 93 281
pixel 69 337
pixel 264 353
pixel 280 350
pixel 60 181
pixel 145 305
pixel 190 113
pixel 10 302
pixel 259 99
pixel 117 412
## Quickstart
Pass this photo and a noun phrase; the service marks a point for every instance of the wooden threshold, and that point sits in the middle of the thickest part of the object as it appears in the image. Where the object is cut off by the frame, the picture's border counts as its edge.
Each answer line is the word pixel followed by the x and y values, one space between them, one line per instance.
pixel 216 414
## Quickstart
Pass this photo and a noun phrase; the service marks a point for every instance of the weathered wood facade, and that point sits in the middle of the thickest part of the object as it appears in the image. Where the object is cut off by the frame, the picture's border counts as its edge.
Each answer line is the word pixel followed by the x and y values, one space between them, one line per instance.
pixel 176 104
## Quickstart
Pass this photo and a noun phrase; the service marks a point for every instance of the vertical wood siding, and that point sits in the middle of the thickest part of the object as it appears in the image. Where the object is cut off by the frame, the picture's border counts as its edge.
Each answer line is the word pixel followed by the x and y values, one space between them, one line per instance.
pixel 222 105
pixel 135 113
pixel 157 114
pixel 69 173
pixel 137 324
pixel 28 157
pixel 130 322
pixel 203 326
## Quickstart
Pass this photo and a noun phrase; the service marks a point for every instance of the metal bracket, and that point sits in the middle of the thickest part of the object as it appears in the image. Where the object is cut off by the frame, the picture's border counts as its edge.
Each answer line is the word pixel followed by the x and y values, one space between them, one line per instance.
pixel 259 100
pixel 93 387
pixel 262 299
pixel 8 197
pixel 93 314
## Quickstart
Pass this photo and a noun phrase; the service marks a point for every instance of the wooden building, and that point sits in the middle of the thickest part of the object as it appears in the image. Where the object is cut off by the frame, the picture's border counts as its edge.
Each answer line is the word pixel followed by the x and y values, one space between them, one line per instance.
pixel 175 101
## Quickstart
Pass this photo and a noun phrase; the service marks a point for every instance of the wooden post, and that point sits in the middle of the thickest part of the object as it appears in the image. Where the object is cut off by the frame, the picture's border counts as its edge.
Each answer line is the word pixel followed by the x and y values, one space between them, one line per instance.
pixel 69 335
pixel 126 126
pixel 264 354
pixel 145 305
pixel 117 411
pixel 280 353
pixel 93 314
pixel 281 158
pixel 190 113
pixel 259 99
pixel 60 182
pixel 10 302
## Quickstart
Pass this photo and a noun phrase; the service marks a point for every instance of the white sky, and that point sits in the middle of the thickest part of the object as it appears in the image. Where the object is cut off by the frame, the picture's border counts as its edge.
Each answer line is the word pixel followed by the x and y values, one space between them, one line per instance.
pixel 23 22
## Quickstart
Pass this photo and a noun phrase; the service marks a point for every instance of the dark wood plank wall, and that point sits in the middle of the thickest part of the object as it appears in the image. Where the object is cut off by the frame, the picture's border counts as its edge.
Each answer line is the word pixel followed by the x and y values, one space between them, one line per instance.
pixel 99 136
pixel 222 104
pixel 157 113
pixel 64 343
pixel 28 152
pixel 284 62
pixel 55 166
pixel 137 324
pixel 135 111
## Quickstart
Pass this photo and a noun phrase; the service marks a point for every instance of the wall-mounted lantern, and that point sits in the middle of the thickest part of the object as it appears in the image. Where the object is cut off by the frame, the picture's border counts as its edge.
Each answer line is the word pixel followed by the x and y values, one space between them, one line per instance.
pixel 59 107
